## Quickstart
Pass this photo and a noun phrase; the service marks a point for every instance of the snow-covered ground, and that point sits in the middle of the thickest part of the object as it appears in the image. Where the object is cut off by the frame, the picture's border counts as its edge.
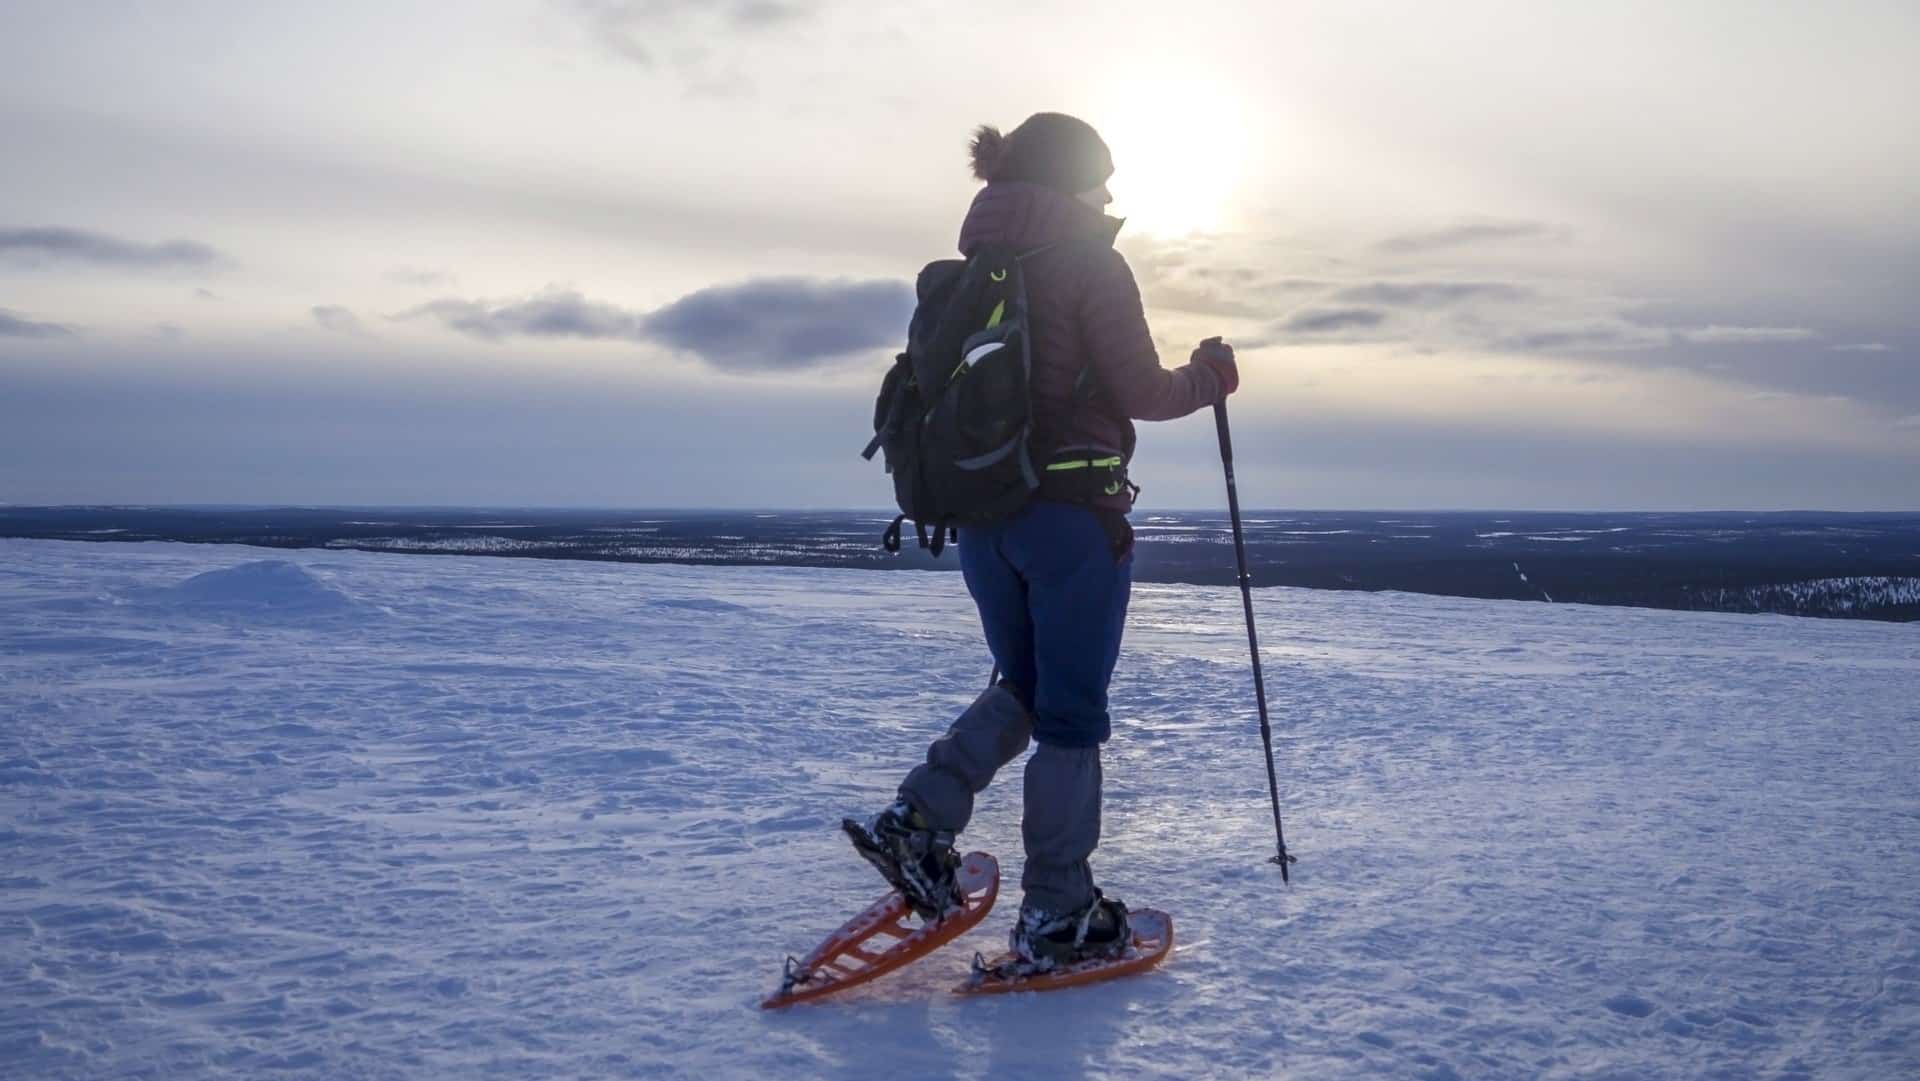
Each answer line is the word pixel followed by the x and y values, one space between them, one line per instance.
pixel 344 815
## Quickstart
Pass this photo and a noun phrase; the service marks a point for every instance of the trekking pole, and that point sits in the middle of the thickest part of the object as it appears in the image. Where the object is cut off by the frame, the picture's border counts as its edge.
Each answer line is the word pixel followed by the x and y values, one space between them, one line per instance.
pixel 1253 642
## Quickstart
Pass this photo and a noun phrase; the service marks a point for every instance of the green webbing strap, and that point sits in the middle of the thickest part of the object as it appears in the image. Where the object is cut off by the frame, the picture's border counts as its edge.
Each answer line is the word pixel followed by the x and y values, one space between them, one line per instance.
pixel 1084 463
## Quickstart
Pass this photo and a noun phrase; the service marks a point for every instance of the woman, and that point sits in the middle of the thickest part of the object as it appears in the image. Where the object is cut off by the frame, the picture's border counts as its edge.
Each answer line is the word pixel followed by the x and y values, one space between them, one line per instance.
pixel 1051 582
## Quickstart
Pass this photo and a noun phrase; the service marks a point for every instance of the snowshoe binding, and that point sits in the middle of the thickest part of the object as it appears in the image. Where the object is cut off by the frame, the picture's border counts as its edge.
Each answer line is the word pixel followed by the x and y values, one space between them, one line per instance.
pixel 914 858
pixel 1051 962
pixel 1097 931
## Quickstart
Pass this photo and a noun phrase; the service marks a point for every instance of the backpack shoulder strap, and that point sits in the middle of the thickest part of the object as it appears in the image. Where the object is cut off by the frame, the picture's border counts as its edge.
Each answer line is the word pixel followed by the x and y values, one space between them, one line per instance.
pixel 1083 384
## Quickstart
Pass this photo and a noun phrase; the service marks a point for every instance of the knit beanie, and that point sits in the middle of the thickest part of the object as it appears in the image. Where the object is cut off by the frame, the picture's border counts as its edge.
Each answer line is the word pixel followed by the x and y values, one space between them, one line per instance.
pixel 1053 149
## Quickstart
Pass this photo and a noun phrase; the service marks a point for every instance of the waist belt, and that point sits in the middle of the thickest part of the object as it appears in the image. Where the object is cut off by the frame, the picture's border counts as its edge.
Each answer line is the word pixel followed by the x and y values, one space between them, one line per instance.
pixel 1080 477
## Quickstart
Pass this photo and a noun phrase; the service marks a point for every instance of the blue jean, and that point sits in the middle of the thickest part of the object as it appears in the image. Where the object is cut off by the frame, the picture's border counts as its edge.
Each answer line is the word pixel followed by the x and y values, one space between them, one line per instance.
pixel 1053 601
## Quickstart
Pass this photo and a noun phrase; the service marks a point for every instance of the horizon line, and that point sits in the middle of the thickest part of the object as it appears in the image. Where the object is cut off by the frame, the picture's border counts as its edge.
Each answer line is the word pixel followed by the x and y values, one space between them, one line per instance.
pixel 891 512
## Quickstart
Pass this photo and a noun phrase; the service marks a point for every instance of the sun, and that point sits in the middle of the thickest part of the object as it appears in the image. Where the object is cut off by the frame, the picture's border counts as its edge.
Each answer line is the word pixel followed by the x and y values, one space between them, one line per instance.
pixel 1178 154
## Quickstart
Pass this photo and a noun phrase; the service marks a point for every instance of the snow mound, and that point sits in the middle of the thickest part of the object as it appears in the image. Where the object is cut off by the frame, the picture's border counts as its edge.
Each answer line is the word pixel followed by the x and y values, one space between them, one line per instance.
pixel 265 586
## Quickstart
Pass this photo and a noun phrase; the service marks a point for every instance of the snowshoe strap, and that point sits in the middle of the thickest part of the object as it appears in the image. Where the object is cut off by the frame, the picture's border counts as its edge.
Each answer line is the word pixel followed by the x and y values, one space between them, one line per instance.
pixel 793 975
pixel 1086 918
pixel 1005 970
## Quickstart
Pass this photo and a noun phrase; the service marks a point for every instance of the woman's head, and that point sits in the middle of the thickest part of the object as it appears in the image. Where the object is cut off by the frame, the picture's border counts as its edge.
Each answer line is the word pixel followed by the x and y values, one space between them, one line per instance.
pixel 1052 149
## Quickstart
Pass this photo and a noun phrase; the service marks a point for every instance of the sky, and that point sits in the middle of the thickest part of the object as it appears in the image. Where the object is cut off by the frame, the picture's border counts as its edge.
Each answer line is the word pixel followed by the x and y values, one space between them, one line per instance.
pixel 659 252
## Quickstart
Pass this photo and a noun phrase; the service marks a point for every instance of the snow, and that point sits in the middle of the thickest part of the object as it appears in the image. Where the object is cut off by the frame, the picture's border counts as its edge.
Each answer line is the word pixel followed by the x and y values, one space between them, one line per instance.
pixel 353 814
pixel 268 585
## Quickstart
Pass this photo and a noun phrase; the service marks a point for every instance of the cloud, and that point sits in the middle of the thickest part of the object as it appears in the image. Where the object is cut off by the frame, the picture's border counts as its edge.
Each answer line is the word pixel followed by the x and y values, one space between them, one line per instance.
pixel 555 314
pixel 1719 335
pixel 1797 396
pixel 1429 294
pixel 205 294
pixel 1323 326
pixel 1472 234
pixel 1331 320
pixel 616 26
pixel 1588 337
pixel 633 30
pixel 99 249
pixel 14 325
pixel 1193 276
pixel 420 277
pixel 1623 335
pixel 767 13
pixel 1908 422
pixel 765 324
pixel 1861 347
pixel 773 323
pixel 338 319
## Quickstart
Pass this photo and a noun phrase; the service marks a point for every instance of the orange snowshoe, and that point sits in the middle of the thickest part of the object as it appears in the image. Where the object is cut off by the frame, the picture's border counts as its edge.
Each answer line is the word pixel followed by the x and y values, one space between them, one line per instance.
pixel 858 952
pixel 1152 941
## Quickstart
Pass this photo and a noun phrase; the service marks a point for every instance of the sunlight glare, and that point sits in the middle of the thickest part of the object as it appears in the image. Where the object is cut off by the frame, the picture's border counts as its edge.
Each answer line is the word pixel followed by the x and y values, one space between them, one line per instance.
pixel 1178 156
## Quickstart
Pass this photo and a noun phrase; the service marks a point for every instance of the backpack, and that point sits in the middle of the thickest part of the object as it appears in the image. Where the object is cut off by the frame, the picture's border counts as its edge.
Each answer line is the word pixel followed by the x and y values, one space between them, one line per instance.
pixel 953 414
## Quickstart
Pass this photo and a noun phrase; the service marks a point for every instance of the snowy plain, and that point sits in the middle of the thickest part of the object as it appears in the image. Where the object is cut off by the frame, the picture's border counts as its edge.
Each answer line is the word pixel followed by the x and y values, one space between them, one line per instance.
pixel 356 815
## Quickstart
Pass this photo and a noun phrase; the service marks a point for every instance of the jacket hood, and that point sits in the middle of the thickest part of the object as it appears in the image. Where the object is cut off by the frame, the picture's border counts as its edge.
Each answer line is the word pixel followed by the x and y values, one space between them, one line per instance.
pixel 1028 215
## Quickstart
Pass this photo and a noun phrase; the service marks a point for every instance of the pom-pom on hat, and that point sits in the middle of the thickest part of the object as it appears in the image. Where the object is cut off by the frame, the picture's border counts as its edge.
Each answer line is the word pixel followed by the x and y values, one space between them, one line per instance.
pixel 1054 149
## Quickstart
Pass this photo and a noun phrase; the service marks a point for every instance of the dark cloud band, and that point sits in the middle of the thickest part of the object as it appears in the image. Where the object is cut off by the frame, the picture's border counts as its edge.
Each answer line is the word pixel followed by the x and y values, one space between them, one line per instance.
pixel 767 324
pixel 14 325
pixel 99 249
pixel 783 322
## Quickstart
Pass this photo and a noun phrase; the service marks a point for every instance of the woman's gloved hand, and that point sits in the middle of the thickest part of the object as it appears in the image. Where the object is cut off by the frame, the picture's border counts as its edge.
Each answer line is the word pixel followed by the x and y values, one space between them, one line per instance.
pixel 1217 357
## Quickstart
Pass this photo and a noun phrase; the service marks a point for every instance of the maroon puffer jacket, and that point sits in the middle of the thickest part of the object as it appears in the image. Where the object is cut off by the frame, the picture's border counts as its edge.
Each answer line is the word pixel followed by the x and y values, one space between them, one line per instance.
pixel 1085 311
